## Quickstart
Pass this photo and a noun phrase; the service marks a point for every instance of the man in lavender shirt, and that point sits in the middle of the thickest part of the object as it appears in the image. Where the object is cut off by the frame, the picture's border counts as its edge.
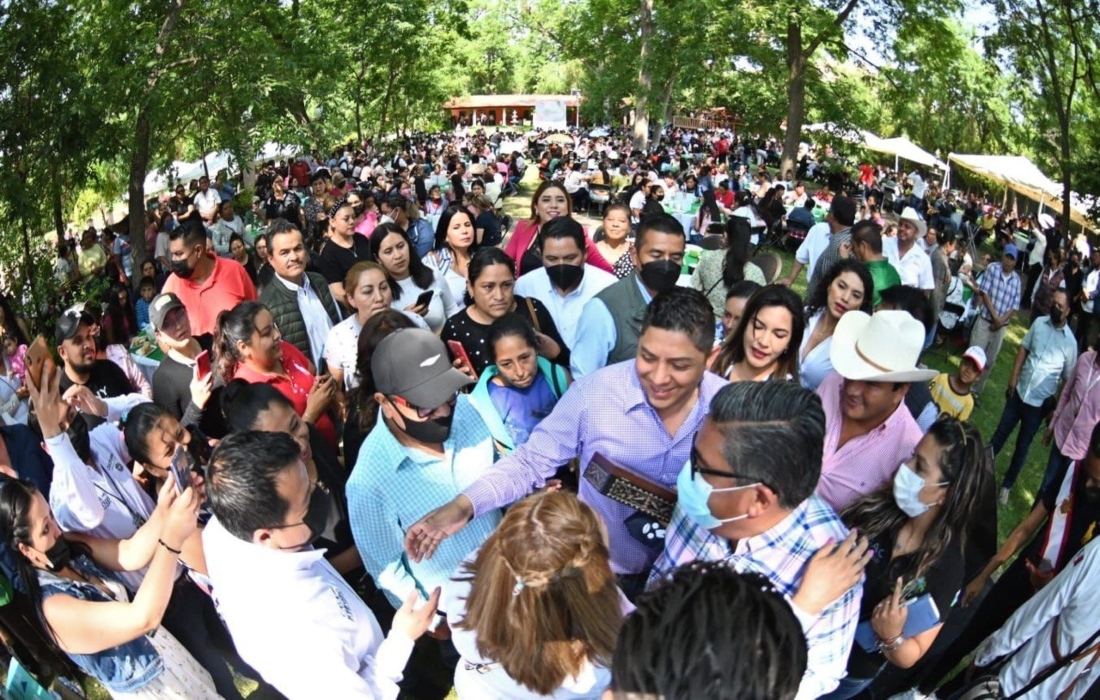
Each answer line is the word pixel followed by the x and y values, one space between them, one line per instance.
pixel 640 415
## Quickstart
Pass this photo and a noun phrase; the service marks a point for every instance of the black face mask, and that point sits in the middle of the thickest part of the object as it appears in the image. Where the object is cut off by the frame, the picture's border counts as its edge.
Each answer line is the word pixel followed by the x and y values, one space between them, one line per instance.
pixel 660 275
pixel 58 555
pixel 181 269
pixel 320 504
pixel 565 277
pixel 433 431
pixel 358 210
pixel 78 436
pixel 1056 316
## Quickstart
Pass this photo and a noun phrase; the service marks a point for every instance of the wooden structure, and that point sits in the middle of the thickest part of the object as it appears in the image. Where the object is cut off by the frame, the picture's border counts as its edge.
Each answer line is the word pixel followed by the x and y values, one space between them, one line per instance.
pixel 501 110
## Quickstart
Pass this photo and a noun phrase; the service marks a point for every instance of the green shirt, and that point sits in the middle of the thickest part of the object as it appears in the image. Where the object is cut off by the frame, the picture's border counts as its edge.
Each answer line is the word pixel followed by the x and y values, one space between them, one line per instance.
pixel 884 276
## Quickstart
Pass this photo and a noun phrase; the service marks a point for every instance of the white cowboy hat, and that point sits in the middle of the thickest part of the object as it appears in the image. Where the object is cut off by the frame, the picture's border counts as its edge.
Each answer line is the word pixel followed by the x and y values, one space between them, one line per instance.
pixel 879 348
pixel 910 214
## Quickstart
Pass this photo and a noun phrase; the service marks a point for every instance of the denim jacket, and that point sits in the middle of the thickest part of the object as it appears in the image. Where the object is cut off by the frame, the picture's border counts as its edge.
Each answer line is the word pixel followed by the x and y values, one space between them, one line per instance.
pixel 123 669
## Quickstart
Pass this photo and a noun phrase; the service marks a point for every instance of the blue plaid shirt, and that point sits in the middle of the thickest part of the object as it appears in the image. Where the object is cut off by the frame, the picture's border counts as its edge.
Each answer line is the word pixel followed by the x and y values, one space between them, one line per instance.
pixel 392 487
pixel 1004 294
pixel 781 555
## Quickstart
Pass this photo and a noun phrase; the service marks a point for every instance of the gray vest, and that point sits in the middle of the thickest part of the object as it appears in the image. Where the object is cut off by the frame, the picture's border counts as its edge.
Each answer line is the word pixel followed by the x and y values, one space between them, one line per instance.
pixel 627 306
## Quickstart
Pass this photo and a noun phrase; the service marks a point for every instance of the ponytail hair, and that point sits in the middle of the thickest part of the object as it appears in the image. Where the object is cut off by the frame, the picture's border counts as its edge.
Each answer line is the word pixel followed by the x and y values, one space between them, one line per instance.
pixel 233 326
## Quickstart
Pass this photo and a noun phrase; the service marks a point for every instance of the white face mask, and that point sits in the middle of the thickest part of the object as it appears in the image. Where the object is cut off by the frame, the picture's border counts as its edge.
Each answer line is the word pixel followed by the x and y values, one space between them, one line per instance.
pixel 907 488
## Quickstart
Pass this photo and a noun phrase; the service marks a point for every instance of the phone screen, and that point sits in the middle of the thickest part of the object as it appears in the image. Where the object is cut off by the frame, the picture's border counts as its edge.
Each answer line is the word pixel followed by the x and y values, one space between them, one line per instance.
pixel 181 469
pixel 424 298
pixel 202 363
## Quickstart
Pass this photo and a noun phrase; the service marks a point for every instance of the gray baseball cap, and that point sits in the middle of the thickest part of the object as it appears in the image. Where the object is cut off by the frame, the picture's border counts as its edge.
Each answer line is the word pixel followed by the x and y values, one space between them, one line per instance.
pixel 414 364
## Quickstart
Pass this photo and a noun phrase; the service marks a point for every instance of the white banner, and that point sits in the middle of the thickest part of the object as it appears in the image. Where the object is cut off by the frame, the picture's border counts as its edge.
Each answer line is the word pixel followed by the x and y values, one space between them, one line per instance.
pixel 550 114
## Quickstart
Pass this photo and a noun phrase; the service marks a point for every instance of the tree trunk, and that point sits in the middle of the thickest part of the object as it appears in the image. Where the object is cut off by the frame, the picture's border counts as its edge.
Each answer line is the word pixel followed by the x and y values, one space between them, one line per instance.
pixel 645 81
pixel 139 165
pixel 386 102
pixel 796 96
pixel 55 196
pixel 666 95
pixel 28 260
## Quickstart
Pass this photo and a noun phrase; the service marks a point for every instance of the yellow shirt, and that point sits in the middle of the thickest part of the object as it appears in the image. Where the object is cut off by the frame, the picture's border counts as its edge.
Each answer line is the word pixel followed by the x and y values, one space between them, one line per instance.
pixel 949 402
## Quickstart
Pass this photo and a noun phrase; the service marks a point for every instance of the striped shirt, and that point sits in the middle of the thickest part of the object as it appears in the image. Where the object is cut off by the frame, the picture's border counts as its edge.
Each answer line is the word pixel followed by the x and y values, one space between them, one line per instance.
pixel 781 555
pixel 867 462
pixel 1004 293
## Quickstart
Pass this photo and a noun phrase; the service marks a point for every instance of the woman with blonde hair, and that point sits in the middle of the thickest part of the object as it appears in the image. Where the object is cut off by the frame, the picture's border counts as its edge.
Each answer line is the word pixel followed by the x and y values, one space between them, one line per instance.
pixel 536 612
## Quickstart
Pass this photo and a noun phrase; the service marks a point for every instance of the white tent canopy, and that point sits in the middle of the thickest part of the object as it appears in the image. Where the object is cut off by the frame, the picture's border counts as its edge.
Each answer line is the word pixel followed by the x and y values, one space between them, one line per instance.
pixel 157 181
pixel 901 147
pixel 1021 175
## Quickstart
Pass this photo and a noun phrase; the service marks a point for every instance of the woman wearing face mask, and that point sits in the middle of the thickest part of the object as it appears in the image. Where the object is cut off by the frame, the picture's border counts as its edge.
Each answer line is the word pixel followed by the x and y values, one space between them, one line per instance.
pixel 548 203
pixel 364 211
pixel 248 346
pixel 490 296
pixel 614 246
pixel 719 270
pixel 86 609
pixel 454 243
pixel 261 407
pixel 392 248
pixel 846 286
pixel 762 346
pixel 520 388
pixel 918 529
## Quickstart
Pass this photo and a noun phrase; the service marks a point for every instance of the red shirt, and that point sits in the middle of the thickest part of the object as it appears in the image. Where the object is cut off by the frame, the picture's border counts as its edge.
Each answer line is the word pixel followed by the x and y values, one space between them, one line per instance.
pixel 227 286
pixel 726 200
pixel 295 385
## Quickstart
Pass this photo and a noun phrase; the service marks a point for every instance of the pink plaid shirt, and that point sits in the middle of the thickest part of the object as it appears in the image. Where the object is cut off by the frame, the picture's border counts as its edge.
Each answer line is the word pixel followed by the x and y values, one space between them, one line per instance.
pixel 866 463
pixel 1078 408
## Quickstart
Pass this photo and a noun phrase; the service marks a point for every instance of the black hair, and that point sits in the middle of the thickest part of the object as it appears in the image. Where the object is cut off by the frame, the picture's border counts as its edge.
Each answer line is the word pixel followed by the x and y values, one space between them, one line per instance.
pixel 396 200
pixel 191 232
pixel 233 326
pixel 658 223
pixel 870 233
pixel 743 290
pixel 946 236
pixel 562 227
pixel 277 227
pixel 241 480
pixel 139 423
pixel 738 242
pixel 819 295
pixel 481 259
pixel 445 221
pixel 242 403
pixel 420 273
pixel 147 281
pixel 710 632
pixel 682 310
pixel 774 433
pixel 733 349
pixel 511 324
pixel 912 301
pixel 377 328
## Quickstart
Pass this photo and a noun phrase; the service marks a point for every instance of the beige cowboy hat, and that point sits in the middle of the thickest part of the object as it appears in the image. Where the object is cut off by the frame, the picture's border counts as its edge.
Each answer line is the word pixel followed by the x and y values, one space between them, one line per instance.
pixel 884 347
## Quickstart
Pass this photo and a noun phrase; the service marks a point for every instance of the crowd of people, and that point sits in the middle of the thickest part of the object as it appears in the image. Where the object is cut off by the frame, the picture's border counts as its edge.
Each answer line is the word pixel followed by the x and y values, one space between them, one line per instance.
pixel 395 445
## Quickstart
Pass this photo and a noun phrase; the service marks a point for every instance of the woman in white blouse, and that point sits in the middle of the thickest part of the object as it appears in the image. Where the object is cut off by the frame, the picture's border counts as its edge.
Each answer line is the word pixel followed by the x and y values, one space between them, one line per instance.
pixel 454 242
pixel 846 286
pixel 391 247
pixel 535 612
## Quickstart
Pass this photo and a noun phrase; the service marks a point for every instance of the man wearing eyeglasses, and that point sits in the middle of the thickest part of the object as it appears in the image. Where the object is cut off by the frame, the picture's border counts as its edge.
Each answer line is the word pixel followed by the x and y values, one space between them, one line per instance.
pixel 746 497
pixel 428 445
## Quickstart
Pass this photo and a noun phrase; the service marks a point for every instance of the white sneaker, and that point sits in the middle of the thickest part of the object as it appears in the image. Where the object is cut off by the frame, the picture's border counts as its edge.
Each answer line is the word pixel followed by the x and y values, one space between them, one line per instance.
pixel 1002 497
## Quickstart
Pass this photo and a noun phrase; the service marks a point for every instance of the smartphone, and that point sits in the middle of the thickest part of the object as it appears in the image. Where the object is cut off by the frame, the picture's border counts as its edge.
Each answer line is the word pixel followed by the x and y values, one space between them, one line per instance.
pixel 181 469
pixel 425 298
pixel 458 352
pixel 202 362
pixel 39 357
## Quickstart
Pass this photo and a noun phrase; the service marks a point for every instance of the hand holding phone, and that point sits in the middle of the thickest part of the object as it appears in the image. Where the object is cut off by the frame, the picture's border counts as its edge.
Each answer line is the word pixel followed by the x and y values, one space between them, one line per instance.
pixel 458 352
pixel 425 298
pixel 181 469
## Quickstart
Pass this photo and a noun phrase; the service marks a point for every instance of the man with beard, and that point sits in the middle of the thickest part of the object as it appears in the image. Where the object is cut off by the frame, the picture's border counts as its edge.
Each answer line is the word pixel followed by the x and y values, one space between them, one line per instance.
pixel 75 335
pixel 1044 362
pixel 205 283
pixel 611 322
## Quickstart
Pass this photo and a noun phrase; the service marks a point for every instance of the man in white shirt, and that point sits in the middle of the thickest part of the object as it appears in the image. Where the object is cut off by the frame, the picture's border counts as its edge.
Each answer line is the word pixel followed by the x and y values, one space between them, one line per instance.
pixel 637 201
pixel 292 616
pixel 565 282
pixel 919 188
pixel 206 201
pixel 914 265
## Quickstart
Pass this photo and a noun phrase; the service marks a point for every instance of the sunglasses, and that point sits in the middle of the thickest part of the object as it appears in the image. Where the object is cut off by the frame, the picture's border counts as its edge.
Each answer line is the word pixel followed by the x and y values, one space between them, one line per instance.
pixel 423 412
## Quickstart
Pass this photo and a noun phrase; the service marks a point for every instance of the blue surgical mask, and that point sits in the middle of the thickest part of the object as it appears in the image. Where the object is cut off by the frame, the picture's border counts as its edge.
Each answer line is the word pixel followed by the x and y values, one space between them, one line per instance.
pixel 907 488
pixel 693 494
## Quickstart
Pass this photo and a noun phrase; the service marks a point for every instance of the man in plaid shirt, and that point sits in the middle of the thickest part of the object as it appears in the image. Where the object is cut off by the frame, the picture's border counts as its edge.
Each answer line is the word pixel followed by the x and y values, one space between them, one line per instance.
pixel 746 497
pixel 998 297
